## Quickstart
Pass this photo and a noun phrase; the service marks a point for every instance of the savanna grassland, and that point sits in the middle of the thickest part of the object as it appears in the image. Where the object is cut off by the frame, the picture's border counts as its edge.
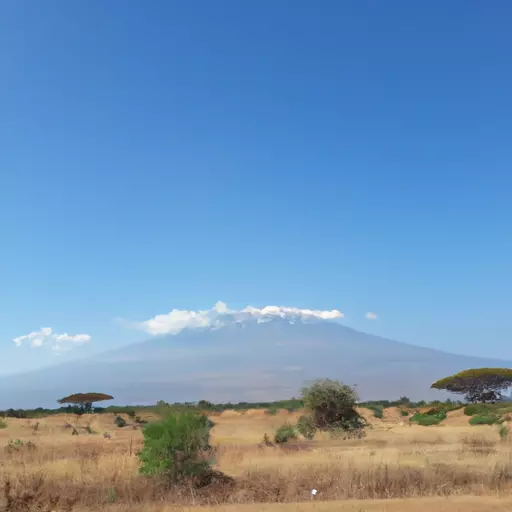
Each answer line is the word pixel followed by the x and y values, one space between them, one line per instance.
pixel 398 466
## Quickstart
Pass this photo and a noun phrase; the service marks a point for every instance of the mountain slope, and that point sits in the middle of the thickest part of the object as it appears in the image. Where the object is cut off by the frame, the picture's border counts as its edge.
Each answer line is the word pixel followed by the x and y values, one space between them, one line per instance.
pixel 246 361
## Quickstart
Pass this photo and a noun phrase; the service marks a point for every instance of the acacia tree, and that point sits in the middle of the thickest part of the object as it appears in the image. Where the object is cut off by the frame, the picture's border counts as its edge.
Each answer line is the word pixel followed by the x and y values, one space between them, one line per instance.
pixel 479 384
pixel 84 401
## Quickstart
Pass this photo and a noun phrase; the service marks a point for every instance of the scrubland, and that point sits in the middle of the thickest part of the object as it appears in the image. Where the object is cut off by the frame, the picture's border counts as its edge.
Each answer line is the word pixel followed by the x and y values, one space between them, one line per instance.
pixel 396 467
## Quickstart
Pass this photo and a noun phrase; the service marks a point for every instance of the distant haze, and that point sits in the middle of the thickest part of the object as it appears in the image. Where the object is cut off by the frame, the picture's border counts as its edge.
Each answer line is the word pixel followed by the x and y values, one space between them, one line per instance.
pixel 244 361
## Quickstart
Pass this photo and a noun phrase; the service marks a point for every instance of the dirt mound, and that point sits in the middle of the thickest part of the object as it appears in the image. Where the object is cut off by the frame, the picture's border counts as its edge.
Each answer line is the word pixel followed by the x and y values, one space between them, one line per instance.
pixel 255 413
pixel 392 415
pixel 456 418
pixel 368 415
pixel 229 414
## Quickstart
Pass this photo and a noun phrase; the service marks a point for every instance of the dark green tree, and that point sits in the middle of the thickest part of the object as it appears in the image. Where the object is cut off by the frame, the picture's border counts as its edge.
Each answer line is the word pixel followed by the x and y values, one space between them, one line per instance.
pixel 204 404
pixel 84 401
pixel 332 406
pixel 478 384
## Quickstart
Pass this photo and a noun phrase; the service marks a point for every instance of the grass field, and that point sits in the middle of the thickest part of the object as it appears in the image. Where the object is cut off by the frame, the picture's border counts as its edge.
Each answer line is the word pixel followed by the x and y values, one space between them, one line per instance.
pixel 453 466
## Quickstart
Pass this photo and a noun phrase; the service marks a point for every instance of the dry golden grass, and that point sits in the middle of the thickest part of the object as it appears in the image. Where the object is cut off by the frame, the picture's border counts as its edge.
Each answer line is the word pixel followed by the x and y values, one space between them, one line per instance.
pixel 395 461
pixel 449 504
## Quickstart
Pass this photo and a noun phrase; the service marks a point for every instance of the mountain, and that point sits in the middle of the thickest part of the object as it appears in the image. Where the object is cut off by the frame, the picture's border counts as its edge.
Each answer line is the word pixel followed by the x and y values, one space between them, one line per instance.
pixel 244 361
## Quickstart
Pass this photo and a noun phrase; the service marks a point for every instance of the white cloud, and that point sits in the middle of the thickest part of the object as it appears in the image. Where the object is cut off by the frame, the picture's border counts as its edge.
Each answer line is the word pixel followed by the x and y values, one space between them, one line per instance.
pixel 220 315
pixel 46 336
pixel 77 338
pixel 371 316
pixel 293 369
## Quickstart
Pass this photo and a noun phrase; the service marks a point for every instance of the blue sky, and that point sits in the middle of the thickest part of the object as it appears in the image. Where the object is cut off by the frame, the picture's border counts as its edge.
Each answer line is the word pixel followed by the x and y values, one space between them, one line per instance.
pixel 327 155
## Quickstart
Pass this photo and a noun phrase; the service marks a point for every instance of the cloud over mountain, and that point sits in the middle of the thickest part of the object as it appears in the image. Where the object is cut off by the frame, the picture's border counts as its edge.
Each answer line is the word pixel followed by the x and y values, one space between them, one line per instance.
pixel 57 342
pixel 177 319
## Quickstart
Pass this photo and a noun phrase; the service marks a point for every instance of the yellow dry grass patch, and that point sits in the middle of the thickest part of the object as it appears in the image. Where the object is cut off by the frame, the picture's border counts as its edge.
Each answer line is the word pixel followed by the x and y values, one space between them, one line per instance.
pixel 457 504
pixel 393 461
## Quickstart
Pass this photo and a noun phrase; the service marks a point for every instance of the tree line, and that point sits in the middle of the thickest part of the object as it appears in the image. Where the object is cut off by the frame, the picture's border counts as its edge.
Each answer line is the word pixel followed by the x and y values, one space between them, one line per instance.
pixel 478 385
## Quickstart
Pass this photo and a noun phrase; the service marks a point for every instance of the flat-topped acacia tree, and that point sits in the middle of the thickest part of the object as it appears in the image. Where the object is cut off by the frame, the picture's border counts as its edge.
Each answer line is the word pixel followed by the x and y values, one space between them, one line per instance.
pixel 84 400
pixel 478 384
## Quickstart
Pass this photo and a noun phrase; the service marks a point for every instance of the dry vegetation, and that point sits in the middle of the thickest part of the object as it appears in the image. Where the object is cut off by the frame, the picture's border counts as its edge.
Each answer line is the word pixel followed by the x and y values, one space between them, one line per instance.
pixel 396 467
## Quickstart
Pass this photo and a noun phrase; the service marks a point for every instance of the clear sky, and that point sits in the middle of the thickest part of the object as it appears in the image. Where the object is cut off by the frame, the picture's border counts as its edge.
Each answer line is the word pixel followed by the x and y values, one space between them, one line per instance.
pixel 348 155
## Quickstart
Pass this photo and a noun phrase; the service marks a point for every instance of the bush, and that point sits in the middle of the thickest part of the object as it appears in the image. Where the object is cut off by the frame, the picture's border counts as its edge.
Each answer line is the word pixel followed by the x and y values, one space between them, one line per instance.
pixel 272 411
pixel 131 414
pixel 474 409
pixel 177 446
pixel 17 445
pixel 332 407
pixel 266 440
pixel 503 432
pixel 3 423
pixel 120 422
pixel 378 410
pixel 306 427
pixel 404 413
pixel 483 420
pixel 427 420
pixel 284 434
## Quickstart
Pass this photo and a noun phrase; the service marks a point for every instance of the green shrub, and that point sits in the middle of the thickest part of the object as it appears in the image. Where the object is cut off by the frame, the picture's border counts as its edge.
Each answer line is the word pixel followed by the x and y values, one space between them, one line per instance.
pixel 378 410
pixel 305 427
pixel 474 409
pixel 285 433
pixel 176 447
pixel 332 407
pixel 427 420
pixel 483 420
pixel 131 414
pixel 503 432
pixel 3 423
pixel 272 412
pixel 404 413
pixel 111 495
pixel 120 422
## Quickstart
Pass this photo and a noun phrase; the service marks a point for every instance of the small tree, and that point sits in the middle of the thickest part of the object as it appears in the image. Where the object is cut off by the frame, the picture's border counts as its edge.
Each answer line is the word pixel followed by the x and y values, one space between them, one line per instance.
pixel 331 405
pixel 285 433
pixel 84 401
pixel 478 385
pixel 120 421
pixel 177 446
pixel 306 427
pixel 204 404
